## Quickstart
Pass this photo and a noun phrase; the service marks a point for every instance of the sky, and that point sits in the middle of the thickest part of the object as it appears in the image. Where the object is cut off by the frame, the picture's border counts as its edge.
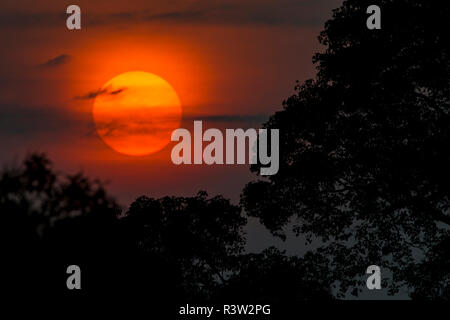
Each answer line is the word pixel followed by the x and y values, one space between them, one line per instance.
pixel 232 63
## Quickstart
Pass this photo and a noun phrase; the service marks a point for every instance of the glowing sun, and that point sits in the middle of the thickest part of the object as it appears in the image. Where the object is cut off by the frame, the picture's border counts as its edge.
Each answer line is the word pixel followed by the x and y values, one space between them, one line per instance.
pixel 136 112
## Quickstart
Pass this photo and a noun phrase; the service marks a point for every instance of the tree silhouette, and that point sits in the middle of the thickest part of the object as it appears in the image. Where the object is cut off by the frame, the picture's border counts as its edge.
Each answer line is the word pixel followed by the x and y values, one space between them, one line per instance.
pixel 167 250
pixel 201 240
pixel 35 205
pixel 195 237
pixel 272 277
pixel 364 157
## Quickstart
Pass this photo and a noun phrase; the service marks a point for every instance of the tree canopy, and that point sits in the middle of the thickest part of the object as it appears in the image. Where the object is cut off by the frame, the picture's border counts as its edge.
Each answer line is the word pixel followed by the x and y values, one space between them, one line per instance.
pixel 166 250
pixel 364 157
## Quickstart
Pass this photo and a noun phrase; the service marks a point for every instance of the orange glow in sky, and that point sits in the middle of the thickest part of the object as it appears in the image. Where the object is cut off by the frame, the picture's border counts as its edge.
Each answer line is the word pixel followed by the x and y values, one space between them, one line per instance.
pixel 69 94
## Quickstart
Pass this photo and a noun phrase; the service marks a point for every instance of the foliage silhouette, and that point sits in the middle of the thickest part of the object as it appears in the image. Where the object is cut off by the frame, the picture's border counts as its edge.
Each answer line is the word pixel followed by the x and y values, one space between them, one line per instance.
pixel 35 206
pixel 272 277
pixel 364 148
pixel 167 250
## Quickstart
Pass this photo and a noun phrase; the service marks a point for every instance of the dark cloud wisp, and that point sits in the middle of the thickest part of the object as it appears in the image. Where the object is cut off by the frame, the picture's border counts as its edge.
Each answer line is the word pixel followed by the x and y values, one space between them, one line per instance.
pixel 94 94
pixel 232 12
pixel 57 61
pixel 21 120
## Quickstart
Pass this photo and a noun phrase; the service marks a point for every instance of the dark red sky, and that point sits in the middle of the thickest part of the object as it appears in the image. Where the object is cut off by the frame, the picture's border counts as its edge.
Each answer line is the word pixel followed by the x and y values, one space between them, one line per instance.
pixel 231 63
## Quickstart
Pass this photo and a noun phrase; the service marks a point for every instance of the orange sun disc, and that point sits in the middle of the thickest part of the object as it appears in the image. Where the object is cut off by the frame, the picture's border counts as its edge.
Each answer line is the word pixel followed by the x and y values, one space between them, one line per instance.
pixel 136 112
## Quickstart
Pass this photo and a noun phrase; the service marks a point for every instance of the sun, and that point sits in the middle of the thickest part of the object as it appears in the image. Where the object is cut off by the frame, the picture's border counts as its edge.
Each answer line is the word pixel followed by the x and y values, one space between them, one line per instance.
pixel 136 112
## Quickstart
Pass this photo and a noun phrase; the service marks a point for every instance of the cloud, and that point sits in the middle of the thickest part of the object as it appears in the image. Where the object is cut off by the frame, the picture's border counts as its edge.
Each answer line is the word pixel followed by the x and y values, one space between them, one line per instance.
pixel 57 61
pixel 94 94
pixel 229 118
pixel 33 121
pixel 118 128
pixel 117 91
pixel 22 120
pixel 23 19
pixel 236 12
pixel 230 121
pixel 231 12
